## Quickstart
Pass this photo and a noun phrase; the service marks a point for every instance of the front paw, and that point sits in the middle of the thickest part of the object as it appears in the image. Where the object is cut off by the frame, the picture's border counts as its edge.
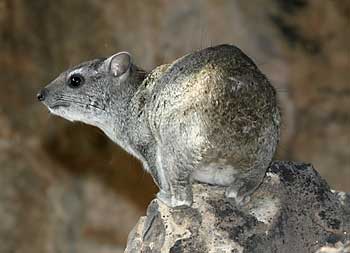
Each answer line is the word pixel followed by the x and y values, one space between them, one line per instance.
pixel 173 202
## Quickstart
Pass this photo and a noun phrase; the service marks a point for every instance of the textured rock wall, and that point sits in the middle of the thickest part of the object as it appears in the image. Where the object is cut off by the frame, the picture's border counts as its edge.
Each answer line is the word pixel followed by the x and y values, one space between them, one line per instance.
pixel 65 187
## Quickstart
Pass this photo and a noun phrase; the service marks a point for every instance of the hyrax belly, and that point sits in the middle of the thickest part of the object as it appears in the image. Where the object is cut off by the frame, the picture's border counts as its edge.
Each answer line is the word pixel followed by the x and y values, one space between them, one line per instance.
pixel 215 173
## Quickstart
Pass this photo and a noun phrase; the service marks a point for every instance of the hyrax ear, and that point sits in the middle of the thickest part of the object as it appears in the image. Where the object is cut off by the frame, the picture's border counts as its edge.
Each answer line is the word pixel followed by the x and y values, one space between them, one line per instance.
pixel 119 64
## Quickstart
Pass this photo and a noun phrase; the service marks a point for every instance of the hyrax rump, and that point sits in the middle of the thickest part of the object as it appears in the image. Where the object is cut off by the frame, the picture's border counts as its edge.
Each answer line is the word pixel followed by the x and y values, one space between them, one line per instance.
pixel 210 116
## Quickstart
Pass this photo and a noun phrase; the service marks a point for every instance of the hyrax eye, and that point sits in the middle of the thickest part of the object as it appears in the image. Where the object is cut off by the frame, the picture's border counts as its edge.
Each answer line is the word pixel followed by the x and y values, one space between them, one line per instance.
pixel 75 80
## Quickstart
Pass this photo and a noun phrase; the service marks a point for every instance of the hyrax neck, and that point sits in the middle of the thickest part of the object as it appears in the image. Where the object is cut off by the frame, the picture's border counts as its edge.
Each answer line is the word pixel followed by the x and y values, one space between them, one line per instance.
pixel 120 125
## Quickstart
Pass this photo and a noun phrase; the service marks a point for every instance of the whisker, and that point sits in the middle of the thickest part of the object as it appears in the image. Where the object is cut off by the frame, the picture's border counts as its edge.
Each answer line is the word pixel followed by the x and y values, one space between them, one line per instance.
pixel 65 99
pixel 68 97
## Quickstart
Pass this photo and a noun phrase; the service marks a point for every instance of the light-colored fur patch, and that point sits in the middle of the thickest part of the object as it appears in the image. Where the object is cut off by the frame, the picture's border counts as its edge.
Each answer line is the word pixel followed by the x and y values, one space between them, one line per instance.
pixel 216 174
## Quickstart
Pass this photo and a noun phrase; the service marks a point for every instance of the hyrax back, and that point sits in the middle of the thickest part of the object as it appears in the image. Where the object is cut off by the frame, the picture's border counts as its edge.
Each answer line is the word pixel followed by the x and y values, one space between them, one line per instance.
pixel 215 119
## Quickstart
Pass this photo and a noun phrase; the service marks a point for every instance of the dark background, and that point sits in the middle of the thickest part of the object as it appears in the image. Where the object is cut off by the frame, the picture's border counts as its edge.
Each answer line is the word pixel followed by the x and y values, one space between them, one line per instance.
pixel 66 188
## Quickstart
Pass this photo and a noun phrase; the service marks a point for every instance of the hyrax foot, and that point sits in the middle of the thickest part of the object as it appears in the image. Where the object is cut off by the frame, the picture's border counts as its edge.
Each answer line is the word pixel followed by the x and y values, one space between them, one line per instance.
pixel 241 191
pixel 174 201
pixel 240 199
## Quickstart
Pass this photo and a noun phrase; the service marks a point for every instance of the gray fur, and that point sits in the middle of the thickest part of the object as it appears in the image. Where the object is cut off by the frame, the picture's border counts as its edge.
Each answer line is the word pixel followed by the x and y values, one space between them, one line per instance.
pixel 210 116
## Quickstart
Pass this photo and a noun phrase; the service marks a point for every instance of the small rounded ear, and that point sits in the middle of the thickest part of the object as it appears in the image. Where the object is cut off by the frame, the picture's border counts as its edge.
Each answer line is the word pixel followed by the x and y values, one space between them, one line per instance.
pixel 118 64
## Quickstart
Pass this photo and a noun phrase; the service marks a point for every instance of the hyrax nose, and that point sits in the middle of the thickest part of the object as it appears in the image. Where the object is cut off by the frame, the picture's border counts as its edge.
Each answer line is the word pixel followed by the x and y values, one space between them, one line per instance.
pixel 42 94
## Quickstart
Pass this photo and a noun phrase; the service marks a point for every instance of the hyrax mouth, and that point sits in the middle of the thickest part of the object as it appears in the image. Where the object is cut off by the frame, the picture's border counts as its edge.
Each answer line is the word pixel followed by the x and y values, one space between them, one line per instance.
pixel 42 96
pixel 58 104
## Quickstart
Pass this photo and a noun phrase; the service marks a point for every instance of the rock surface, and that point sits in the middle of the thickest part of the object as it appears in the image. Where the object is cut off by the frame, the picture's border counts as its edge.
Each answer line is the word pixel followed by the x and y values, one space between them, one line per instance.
pixel 294 210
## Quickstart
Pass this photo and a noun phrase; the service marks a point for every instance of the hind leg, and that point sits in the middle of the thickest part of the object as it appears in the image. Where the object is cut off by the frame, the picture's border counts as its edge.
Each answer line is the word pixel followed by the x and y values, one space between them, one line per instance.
pixel 244 185
pixel 175 184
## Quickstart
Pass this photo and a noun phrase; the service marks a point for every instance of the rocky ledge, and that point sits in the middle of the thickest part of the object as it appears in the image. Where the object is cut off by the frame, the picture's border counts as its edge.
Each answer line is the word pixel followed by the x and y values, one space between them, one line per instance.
pixel 294 210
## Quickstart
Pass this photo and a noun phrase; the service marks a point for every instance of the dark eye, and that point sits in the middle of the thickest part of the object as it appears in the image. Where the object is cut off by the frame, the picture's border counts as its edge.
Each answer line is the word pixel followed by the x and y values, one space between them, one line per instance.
pixel 75 80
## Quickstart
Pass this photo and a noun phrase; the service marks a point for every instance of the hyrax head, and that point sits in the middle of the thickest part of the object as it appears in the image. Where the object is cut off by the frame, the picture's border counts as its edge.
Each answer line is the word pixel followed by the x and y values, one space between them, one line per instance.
pixel 83 93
